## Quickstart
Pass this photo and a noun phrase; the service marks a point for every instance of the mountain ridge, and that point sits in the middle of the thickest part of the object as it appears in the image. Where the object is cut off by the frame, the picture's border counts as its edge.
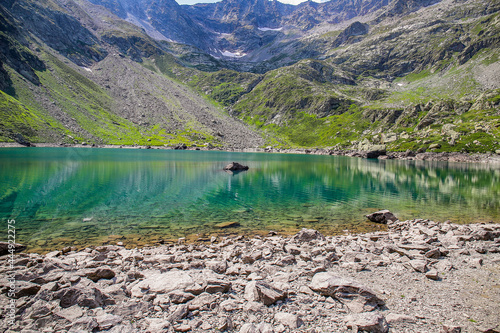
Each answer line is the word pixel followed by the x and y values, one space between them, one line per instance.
pixel 410 75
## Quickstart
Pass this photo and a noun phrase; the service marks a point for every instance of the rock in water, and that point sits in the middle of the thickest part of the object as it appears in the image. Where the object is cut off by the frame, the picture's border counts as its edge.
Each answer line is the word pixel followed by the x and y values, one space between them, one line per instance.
pixel 4 248
pixel 235 166
pixel 382 216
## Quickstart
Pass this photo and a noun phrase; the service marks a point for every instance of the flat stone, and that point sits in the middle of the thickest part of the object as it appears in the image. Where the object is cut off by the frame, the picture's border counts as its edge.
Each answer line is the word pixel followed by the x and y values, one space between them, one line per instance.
pixel 179 296
pixel 419 265
pixel 107 321
pixel 71 313
pixel 393 318
pixel 368 321
pixel 355 296
pixel 432 274
pixel 162 283
pixel 230 224
pixel 288 319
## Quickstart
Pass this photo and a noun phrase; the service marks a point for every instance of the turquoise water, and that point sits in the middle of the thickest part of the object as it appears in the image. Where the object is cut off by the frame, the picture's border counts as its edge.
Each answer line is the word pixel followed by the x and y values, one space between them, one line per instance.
pixel 71 196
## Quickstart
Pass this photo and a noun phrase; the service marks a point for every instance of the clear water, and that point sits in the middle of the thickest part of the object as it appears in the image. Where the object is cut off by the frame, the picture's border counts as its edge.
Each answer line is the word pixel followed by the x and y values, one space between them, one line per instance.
pixel 75 196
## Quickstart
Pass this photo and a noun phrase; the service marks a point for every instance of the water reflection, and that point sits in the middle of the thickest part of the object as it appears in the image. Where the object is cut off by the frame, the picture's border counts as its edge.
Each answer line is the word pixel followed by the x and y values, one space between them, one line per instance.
pixel 59 196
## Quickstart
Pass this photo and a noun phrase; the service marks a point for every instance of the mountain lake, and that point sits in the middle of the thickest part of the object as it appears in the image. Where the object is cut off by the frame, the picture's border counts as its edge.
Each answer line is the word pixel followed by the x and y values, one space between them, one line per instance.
pixel 62 197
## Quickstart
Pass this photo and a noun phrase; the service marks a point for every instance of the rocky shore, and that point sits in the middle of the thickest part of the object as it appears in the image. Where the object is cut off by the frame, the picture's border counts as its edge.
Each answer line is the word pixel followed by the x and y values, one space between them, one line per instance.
pixel 418 276
pixel 490 158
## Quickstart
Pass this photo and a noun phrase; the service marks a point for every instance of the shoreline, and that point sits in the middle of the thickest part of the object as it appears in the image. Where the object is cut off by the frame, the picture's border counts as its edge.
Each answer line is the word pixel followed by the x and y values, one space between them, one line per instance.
pixel 456 157
pixel 418 276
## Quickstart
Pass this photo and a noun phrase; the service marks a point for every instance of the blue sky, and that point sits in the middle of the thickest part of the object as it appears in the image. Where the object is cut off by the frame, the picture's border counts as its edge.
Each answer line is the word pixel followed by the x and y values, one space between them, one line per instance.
pixel 192 2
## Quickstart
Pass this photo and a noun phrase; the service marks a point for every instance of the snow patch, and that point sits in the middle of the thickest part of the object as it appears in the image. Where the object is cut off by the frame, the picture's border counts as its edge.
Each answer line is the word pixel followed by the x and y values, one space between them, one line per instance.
pixel 270 29
pixel 233 54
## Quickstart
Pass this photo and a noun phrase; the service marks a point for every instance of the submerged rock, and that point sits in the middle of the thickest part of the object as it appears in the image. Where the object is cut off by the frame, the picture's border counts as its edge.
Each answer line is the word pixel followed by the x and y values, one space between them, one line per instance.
pixel 4 248
pixel 382 216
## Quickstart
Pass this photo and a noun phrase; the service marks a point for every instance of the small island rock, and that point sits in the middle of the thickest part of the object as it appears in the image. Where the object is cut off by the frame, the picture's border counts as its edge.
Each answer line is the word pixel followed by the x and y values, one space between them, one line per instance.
pixel 235 166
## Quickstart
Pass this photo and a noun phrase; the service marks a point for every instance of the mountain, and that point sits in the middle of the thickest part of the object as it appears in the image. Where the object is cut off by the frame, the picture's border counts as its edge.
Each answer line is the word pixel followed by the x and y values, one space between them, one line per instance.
pixel 74 72
pixel 360 74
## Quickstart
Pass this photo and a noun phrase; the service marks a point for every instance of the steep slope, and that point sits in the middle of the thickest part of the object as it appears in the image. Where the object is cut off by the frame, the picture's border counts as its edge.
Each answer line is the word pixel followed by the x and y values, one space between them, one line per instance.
pixel 162 19
pixel 90 85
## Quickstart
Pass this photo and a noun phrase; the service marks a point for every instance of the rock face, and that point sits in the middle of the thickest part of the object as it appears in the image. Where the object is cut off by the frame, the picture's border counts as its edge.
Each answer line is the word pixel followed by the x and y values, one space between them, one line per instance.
pixel 235 166
pixel 383 216
pixel 267 284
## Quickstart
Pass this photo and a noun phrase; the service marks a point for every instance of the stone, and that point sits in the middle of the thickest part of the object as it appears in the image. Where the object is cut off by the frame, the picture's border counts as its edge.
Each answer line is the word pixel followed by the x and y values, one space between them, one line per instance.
pixel 230 305
pixel 85 324
pixel 419 265
pixel 432 274
pixel 259 291
pixel 224 225
pixel 101 273
pixel 4 248
pixel 70 314
pixel 88 297
pixel 382 216
pixel 355 296
pixel 368 322
pixel 179 313
pixel 249 328
pixel 235 166
pixel 157 324
pixel 265 328
pixel 162 283
pixel 182 328
pixel 107 321
pixel 307 235
pixel 202 302
pixel 179 296
pixel 217 286
pixel 288 319
pixel 434 253
pixel 218 266
pixel 24 288
pixel 393 318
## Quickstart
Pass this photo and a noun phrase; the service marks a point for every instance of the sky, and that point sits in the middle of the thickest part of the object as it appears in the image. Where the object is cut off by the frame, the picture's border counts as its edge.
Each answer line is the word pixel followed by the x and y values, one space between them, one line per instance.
pixel 192 2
